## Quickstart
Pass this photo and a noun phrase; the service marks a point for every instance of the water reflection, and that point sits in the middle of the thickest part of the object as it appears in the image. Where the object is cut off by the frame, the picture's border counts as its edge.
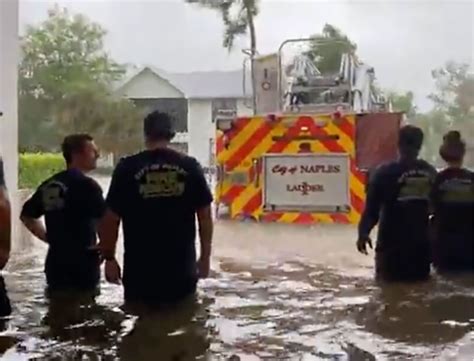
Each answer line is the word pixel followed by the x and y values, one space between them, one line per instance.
pixel 5 310
pixel 77 318
pixel 437 312
pixel 177 334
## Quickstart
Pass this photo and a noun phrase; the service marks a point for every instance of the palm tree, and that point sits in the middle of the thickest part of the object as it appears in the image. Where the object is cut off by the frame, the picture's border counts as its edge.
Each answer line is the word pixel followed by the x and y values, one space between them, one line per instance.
pixel 238 17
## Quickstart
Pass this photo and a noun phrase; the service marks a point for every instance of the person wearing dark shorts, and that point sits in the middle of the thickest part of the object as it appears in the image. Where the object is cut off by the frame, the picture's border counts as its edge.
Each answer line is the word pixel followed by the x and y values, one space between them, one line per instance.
pixel 157 194
pixel 5 241
pixel 72 204
pixel 398 200
pixel 453 205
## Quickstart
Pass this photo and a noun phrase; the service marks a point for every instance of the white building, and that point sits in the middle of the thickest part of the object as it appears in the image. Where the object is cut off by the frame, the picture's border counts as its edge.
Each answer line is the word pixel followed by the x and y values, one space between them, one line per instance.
pixel 194 100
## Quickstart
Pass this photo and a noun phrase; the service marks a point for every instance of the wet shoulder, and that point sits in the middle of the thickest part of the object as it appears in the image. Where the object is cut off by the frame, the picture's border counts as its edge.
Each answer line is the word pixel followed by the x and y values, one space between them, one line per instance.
pixel 462 174
pixel 142 163
pixel 424 165
pixel 58 178
pixel 171 157
pixel 386 170
pixel 89 183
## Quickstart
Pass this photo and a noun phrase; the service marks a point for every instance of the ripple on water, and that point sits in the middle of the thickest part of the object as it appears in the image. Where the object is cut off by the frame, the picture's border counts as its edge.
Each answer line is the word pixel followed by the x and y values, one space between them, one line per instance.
pixel 288 310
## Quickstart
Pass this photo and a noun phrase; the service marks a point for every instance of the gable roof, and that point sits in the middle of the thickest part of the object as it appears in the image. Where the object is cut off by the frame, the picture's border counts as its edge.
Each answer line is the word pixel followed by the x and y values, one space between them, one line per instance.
pixel 201 85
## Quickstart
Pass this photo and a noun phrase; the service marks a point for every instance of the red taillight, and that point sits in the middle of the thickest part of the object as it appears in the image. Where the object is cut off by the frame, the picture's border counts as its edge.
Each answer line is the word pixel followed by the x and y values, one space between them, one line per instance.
pixel 271 118
pixel 226 141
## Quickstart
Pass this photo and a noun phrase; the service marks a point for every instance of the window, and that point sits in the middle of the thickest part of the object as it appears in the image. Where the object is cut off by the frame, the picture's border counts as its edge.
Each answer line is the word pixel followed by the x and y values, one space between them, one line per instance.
pixel 223 105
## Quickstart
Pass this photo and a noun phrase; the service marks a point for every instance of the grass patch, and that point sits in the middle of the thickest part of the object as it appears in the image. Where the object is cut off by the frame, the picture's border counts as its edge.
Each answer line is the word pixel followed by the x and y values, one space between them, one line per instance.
pixel 35 168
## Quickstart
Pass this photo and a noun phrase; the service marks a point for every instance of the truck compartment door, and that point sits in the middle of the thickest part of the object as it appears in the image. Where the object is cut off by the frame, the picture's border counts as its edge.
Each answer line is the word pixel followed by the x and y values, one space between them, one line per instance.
pixel 376 139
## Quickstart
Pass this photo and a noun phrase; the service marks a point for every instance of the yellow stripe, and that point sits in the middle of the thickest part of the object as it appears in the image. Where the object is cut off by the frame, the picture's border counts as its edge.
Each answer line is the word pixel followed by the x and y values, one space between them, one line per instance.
pixel 221 189
pixel 240 138
pixel 344 141
pixel 288 217
pixel 323 218
pixel 353 216
pixel 244 198
pixel 356 185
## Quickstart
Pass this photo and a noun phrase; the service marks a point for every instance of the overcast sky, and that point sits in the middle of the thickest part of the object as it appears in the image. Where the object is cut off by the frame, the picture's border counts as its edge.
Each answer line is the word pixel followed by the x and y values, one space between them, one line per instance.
pixel 403 39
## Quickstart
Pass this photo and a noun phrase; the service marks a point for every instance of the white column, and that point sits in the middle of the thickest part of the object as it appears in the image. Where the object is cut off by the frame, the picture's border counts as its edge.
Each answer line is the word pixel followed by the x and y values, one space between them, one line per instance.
pixel 9 56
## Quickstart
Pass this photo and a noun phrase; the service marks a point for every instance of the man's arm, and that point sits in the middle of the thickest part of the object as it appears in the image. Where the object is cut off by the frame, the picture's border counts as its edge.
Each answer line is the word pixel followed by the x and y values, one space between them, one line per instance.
pixel 202 200
pixel 206 229
pixel 110 223
pixel 373 204
pixel 30 216
pixel 5 221
pixel 108 234
pixel 95 201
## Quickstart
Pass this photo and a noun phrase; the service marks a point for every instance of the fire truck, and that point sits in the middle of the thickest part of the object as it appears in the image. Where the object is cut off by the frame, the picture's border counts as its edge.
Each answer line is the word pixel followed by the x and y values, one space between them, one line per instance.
pixel 305 155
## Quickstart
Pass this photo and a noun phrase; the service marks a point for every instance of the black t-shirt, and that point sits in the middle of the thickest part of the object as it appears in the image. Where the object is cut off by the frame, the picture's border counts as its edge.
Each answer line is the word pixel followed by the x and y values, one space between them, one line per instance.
pixel 398 199
pixel 72 204
pixel 453 203
pixel 156 194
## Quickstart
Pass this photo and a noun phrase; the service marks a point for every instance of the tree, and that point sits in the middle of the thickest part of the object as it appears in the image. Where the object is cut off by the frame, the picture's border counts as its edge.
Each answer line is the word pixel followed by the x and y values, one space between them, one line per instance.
pixel 65 80
pixel 454 92
pixel 238 17
pixel 403 102
pixel 327 48
pixel 62 53
pixel 454 97
pixel 434 125
pixel 111 121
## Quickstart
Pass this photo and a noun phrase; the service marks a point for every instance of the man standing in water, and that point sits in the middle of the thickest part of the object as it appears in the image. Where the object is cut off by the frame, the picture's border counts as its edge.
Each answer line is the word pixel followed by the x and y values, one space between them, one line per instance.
pixel 453 203
pixel 157 194
pixel 72 204
pixel 398 196
pixel 5 241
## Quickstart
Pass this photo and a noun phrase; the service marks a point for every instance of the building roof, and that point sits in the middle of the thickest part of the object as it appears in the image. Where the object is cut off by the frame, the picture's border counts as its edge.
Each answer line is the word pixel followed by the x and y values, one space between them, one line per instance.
pixel 201 85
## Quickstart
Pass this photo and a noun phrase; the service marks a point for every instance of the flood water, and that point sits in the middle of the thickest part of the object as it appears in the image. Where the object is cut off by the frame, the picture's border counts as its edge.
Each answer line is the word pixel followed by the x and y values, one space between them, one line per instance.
pixel 277 292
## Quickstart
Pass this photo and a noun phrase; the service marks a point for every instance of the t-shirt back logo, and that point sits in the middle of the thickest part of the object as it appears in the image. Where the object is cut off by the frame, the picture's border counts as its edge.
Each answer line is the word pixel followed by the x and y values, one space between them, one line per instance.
pixel 414 186
pixel 53 195
pixel 457 190
pixel 161 183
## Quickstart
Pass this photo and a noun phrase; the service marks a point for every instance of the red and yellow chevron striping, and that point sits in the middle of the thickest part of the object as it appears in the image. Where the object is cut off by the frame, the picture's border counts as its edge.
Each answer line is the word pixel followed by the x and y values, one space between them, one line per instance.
pixel 238 150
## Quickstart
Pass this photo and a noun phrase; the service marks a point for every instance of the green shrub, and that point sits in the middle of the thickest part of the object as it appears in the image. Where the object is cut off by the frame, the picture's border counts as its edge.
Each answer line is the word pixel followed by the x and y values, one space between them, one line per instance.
pixel 34 168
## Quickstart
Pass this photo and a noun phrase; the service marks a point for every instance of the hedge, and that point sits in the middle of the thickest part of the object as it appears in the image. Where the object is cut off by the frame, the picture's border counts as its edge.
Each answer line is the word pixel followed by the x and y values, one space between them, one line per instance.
pixel 34 168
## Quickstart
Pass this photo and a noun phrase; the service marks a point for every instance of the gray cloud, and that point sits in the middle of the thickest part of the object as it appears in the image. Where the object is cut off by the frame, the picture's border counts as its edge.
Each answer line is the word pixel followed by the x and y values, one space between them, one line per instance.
pixel 403 40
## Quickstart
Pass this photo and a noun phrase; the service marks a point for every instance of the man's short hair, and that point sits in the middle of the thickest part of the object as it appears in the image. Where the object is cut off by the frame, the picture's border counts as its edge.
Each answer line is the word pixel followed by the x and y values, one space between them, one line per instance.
pixel 410 138
pixel 73 144
pixel 158 126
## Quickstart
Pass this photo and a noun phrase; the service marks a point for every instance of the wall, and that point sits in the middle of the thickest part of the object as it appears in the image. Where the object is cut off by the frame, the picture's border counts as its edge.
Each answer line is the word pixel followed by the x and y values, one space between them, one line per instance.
pixel 242 109
pixel 9 55
pixel 148 85
pixel 176 107
pixel 200 128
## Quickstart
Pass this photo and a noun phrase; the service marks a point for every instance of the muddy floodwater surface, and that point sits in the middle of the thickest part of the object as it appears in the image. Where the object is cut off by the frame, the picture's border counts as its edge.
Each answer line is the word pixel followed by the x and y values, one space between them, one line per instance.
pixel 276 292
